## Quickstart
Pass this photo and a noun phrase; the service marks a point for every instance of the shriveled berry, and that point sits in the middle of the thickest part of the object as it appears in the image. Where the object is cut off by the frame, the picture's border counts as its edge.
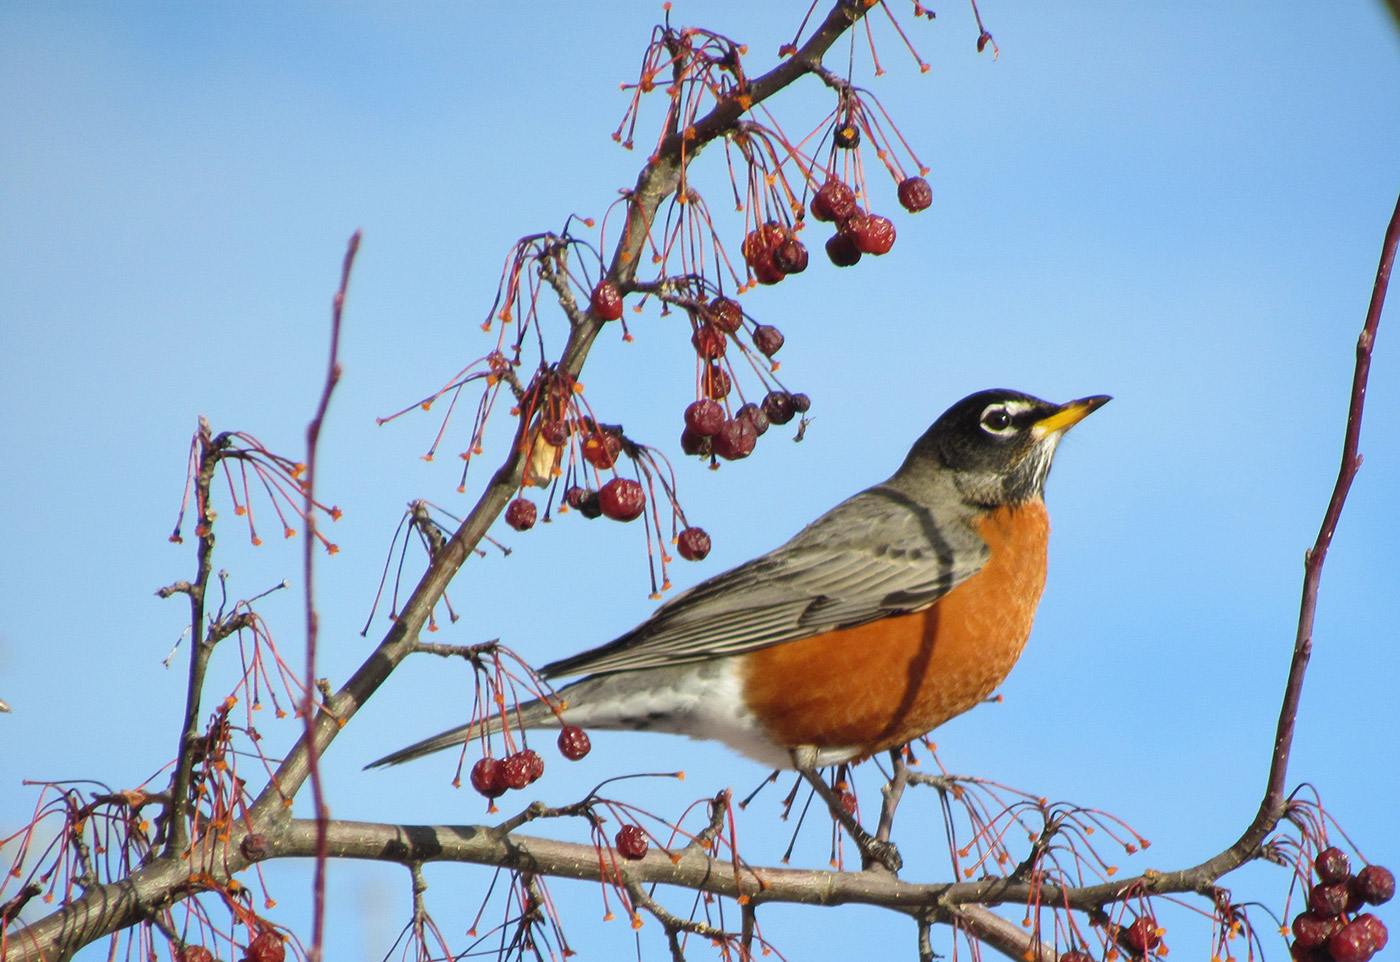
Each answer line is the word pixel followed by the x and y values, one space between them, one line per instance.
pixel 715 383
pixel 693 544
pixel 1310 928
pixel 694 443
pixel 765 270
pixel 778 406
pixel 1076 955
pixel 519 768
pixel 195 953
pixel 631 842
pixel 555 433
pixel 1308 953
pixel 520 514
pixel 1142 934
pixel 584 501
pixel 726 314
pixel 709 342
pixel 1375 884
pixel 622 499
pixel 1375 927
pixel 833 201
pixel 801 403
pixel 1354 943
pixel 767 339
pixel 735 439
pixel 267 947
pixel 601 449
pixel 1328 898
pixel 704 417
pixel 763 239
pixel 606 301
pixel 573 742
pixel 1332 865
pixel 842 250
pixel 875 235
pixel 489 777
pixel 846 136
pixel 848 802
pixel 790 256
pixel 754 415
pixel 915 194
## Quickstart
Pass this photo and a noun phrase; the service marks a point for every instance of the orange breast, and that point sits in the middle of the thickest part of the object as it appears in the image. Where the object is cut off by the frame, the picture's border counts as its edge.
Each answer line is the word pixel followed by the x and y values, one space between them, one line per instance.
pixel 885 683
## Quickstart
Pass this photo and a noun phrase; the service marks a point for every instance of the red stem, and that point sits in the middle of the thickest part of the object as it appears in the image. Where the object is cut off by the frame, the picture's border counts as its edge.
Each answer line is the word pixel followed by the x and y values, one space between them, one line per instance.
pixel 308 702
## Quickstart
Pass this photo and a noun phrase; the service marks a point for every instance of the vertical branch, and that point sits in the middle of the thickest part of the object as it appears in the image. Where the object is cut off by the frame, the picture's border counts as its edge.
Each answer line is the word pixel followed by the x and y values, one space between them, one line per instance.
pixel 200 646
pixel 1272 806
pixel 308 702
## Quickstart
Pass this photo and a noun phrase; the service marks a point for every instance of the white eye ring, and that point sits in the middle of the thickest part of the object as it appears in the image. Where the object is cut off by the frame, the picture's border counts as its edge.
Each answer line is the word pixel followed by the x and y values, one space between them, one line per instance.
pixel 996 419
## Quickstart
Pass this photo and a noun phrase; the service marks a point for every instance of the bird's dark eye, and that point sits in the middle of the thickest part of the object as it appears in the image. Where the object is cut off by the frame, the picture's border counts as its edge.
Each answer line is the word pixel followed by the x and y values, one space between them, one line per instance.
pixel 996 419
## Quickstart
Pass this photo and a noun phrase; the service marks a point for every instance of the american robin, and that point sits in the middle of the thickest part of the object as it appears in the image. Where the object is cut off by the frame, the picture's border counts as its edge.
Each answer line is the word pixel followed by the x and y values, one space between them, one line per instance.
pixel 899 608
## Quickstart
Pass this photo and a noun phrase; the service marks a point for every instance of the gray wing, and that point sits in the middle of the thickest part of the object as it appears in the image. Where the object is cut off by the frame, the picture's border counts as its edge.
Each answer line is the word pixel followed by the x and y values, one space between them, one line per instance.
pixel 876 554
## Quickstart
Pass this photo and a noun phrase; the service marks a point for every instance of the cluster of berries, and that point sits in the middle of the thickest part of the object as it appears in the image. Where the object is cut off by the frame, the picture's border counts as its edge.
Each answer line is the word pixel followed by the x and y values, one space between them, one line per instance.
pixel 859 232
pixel 1333 929
pixel 493 777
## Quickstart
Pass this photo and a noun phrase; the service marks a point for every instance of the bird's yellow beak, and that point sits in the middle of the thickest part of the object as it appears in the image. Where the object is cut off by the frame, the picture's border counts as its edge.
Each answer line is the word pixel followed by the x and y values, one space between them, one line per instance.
pixel 1069 415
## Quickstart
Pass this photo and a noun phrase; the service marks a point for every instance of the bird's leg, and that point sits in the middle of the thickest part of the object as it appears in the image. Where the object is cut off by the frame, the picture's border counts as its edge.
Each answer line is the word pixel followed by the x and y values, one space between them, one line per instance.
pixel 872 850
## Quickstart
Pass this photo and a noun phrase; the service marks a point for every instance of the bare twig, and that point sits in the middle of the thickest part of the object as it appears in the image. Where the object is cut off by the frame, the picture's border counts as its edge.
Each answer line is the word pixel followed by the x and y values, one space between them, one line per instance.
pixel 308 703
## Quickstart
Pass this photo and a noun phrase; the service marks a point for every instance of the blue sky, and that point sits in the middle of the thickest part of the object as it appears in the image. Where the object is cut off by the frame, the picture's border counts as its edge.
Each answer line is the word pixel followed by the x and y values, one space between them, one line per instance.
pixel 1179 205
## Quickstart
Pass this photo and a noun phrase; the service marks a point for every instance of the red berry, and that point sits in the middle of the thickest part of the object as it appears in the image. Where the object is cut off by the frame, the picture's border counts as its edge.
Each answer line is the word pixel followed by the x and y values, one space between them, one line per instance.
pixel 606 301
pixel 915 194
pixel 489 777
pixel 765 271
pixel 195 953
pixel 1376 929
pixel 846 136
pixel 709 342
pixel 715 383
pixel 522 768
pixel 622 499
pixel 573 742
pixel 1328 898
pixel 801 403
pixel 726 314
pixel 693 544
pixel 735 439
pixel 767 339
pixel 1308 953
pixel 693 442
pixel 584 501
pixel 754 415
pixel 1076 955
pixel 555 433
pixel 1354 943
pixel 778 406
pixel 1311 929
pixel 842 251
pixel 1374 884
pixel 833 201
pixel 762 240
pixel 873 235
pixel 1142 934
pixel 848 802
pixel 790 256
pixel 704 417
pixel 631 842
pixel 520 514
pixel 267 947
pixel 1332 865
pixel 601 449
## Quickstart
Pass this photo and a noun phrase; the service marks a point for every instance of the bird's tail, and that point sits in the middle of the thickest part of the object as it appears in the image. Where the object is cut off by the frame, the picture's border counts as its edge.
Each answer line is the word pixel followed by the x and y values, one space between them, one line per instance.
pixel 532 714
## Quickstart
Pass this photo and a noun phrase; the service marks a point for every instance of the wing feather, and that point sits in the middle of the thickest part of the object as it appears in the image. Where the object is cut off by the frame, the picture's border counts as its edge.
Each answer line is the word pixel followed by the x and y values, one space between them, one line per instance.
pixel 876 554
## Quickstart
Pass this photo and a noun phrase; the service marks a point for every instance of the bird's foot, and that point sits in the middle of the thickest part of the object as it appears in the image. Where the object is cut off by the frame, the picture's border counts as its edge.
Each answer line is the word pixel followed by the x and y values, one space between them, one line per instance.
pixel 873 851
